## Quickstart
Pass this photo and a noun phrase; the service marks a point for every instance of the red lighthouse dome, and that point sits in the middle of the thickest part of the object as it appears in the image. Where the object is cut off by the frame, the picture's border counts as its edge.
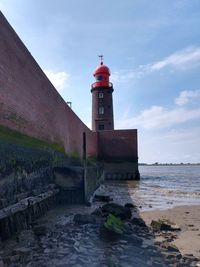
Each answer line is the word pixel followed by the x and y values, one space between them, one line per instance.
pixel 101 75
pixel 102 69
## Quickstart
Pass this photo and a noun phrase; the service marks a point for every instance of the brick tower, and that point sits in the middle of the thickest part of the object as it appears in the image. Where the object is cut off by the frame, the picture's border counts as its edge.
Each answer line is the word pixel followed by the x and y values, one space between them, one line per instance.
pixel 102 103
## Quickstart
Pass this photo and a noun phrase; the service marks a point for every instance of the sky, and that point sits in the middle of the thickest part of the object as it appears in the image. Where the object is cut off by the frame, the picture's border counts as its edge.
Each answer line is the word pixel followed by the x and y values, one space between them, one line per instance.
pixel 152 49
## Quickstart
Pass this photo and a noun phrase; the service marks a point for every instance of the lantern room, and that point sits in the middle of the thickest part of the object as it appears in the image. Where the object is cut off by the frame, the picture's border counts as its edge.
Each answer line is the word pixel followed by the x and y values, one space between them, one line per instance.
pixel 101 75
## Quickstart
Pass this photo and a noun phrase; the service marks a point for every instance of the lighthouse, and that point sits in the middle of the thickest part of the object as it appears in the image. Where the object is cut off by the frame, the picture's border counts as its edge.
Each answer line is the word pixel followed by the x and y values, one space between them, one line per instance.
pixel 102 102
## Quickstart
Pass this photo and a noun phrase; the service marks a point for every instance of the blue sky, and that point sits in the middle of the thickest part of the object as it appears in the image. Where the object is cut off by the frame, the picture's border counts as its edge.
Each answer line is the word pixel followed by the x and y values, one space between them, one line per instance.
pixel 152 49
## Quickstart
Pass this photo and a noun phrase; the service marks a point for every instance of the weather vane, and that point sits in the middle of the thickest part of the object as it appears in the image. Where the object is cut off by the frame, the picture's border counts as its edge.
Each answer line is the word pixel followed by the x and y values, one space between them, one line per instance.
pixel 101 59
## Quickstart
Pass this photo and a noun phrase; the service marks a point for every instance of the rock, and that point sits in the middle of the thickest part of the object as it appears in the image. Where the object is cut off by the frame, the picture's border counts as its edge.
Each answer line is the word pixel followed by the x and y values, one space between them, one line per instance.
pixel 84 218
pixel 26 237
pixel 22 251
pixel 159 226
pixel 102 198
pixel 98 212
pixel 195 229
pixel 169 247
pixel 74 257
pixel 40 230
pixel 108 234
pixel 172 255
pixel 138 222
pixel 47 250
pixel 88 203
pixel 179 256
pixel 175 227
pixel 15 258
pixel 130 206
pixel 164 226
pixel 114 224
pixel 169 202
pixel 190 257
pixel 117 210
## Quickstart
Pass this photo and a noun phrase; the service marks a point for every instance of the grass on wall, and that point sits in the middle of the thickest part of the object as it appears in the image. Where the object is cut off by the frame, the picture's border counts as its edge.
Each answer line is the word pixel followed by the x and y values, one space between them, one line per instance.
pixel 18 138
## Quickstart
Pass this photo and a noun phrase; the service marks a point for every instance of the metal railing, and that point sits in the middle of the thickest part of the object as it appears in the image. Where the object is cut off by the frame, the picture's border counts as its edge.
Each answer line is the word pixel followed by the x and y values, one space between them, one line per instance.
pixel 97 84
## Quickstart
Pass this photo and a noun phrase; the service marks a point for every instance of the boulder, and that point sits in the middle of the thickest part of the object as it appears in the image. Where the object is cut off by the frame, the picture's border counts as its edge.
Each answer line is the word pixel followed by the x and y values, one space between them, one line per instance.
pixel 139 222
pixel 40 230
pixel 98 212
pixel 84 219
pixel 162 225
pixel 130 206
pixel 117 210
pixel 114 224
pixel 112 229
pixel 102 198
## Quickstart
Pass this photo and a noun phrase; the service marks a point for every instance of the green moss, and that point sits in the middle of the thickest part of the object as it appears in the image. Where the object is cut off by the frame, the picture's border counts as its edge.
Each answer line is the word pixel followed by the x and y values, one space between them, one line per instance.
pixel 92 160
pixel 75 155
pixel 18 138
pixel 114 224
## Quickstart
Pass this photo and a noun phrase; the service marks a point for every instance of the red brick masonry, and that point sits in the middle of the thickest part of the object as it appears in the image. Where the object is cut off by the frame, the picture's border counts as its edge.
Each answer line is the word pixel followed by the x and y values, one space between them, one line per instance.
pixel 118 145
pixel 31 105
pixel 28 101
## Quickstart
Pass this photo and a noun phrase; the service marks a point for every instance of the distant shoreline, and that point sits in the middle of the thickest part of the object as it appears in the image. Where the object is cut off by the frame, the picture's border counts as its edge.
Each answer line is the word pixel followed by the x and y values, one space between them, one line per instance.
pixel 169 164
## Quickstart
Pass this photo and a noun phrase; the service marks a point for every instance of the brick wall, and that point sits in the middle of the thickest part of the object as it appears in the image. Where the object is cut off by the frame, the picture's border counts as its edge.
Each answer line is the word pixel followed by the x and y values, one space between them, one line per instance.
pixel 30 104
pixel 119 145
pixel 118 150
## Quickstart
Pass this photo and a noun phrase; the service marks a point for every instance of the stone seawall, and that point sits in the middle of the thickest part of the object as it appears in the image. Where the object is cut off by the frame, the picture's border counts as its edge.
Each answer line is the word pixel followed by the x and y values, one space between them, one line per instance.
pixel 26 185
pixel 22 214
pixel 24 171
pixel 20 185
pixel 33 180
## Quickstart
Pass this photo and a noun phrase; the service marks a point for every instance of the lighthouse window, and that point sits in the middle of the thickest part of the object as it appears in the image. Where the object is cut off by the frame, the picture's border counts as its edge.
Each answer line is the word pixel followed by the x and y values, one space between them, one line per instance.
pixel 100 95
pixel 99 78
pixel 101 110
pixel 101 127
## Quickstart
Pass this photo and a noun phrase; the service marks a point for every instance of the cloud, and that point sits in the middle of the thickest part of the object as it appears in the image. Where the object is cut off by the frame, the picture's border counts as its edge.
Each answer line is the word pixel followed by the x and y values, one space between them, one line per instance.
pixel 180 60
pixel 59 79
pixel 158 117
pixel 182 135
pixel 183 59
pixel 185 96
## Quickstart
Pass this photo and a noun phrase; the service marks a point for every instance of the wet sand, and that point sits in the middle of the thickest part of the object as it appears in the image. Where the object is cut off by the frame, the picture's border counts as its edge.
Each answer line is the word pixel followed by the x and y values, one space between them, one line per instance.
pixel 188 218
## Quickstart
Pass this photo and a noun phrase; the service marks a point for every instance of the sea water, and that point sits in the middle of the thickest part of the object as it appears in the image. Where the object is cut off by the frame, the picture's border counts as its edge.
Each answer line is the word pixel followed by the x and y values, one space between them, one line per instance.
pixel 160 187
pixel 164 187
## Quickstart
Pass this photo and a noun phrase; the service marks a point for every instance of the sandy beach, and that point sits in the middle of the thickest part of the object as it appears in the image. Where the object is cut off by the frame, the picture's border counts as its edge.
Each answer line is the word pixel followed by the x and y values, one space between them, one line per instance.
pixel 188 218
